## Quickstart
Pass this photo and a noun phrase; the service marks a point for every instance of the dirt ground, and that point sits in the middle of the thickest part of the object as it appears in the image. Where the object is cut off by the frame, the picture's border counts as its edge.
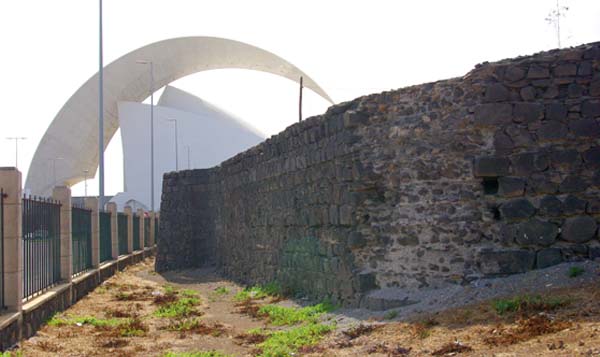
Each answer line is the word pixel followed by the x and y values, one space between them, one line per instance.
pixel 571 328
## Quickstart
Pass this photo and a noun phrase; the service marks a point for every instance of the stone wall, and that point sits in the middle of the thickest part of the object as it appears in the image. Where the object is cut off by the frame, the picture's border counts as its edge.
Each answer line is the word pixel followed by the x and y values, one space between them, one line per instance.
pixel 497 172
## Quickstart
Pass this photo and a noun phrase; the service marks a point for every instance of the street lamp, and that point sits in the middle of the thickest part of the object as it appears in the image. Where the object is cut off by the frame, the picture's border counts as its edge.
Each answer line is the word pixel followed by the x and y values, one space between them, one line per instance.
pixel 16 139
pixel 151 129
pixel 176 145
pixel 188 156
pixel 100 111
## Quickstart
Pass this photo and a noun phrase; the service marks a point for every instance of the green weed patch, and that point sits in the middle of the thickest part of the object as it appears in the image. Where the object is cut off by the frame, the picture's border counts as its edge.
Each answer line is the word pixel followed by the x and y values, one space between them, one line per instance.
pixel 288 342
pixel 280 315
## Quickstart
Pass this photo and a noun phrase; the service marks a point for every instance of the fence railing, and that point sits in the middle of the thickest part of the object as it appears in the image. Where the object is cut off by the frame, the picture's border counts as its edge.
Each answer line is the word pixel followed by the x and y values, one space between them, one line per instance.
pixel 81 230
pixel 41 245
pixel 122 233
pixel 147 231
pixel 136 232
pixel 2 306
pixel 105 241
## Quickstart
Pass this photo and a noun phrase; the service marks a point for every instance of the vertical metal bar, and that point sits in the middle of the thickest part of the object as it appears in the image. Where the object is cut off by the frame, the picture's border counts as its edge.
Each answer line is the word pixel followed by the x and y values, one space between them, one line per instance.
pixel 101 113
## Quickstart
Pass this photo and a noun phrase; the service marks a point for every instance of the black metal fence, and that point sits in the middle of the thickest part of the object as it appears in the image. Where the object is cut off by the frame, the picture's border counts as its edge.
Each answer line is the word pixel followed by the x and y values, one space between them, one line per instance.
pixel 105 234
pixel 41 245
pixel 136 232
pixel 147 231
pixel 81 230
pixel 2 305
pixel 122 234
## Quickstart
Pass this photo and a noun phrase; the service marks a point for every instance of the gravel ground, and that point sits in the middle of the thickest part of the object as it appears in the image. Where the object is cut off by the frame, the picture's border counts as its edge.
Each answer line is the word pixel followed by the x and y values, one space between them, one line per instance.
pixel 433 300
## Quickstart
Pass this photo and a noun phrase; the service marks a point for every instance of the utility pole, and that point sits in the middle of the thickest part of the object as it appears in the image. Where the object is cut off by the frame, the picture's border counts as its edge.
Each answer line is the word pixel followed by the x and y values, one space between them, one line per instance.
pixel 176 145
pixel 300 103
pixel 188 156
pixel 100 116
pixel 16 139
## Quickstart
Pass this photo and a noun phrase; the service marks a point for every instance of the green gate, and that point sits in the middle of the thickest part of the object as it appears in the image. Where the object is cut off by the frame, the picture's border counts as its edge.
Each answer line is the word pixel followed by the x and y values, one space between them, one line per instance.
pixel 105 237
pixel 81 230
pixel 122 224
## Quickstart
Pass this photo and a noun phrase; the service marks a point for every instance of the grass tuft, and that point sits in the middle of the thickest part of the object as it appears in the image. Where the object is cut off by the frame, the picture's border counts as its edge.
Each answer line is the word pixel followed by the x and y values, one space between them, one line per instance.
pixel 196 354
pixel 288 342
pixel 259 292
pixel 575 271
pixel 221 290
pixel 391 315
pixel 180 308
pixel 528 304
pixel 280 315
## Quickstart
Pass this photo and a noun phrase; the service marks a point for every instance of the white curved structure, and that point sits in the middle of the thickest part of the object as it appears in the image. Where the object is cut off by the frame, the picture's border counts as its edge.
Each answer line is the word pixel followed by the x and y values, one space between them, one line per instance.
pixel 73 134
pixel 211 134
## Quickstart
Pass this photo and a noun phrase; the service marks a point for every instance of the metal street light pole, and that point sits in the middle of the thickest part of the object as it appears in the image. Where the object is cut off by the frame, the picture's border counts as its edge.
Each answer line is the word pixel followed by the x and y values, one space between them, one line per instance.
pixel 100 116
pixel 188 156
pixel 16 139
pixel 176 145
pixel 151 129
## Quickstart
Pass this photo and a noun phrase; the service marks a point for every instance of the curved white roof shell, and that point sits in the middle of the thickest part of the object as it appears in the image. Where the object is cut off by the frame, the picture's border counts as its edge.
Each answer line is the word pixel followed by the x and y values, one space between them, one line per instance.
pixel 73 134
pixel 209 133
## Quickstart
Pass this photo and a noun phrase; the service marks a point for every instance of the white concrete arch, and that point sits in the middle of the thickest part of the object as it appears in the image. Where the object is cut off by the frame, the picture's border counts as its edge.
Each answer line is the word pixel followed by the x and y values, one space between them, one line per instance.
pixel 73 134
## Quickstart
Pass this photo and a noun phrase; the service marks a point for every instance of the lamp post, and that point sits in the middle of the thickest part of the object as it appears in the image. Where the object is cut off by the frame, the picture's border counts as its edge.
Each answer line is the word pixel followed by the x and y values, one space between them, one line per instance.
pixel 151 129
pixel 176 145
pixel 100 116
pixel 16 139
pixel 188 156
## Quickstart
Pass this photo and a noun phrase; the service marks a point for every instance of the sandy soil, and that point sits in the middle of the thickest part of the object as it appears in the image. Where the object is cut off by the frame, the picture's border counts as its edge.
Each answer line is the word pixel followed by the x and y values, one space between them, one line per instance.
pixel 473 330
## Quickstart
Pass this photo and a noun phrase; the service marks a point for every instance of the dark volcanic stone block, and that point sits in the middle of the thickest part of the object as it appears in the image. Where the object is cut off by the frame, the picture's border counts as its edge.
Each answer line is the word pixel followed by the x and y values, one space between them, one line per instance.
pixel 590 109
pixel 552 131
pixel 517 209
pixel 511 186
pixel 496 92
pixel 592 157
pixel 528 112
pixel 493 114
pixel 548 257
pixel 536 232
pixel 573 205
pixel 585 127
pixel 491 167
pixel 537 72
pixel 506 262
pixel 579 229
pixel 550 206
pixel 556 111
pixel 572 184
pixel 527 163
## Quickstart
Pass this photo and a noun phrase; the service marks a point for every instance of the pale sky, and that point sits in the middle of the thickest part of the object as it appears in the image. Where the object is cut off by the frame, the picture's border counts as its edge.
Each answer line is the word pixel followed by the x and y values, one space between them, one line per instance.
pixel 351 48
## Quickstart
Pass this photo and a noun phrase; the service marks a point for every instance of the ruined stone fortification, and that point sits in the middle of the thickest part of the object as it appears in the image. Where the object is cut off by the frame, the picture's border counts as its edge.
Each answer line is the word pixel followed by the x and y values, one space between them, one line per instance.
pixel 497 172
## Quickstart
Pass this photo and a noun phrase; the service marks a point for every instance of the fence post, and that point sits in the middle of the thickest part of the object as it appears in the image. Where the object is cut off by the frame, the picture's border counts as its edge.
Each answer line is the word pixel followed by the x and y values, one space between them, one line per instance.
pixel 129 214
pixel 91 203
pixel 63 195
pixel 10 182
pixel 140 213
pixel 151 238
pixel 114 230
